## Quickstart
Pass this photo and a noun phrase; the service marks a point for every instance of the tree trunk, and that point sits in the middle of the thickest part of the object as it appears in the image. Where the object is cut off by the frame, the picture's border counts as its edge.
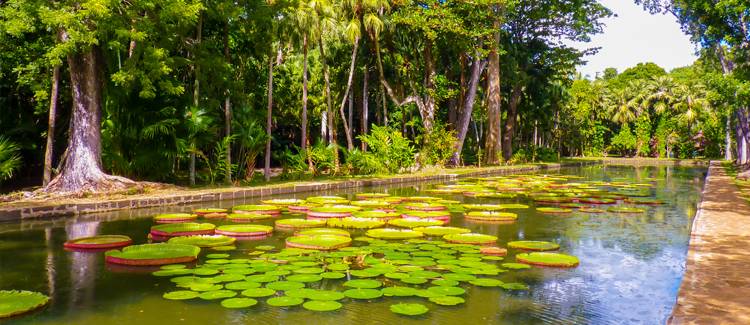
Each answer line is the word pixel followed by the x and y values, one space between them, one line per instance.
pixel 48 152
pixel 510 121
pixel 463 125
pixel 303 142
pixel 227 111
pixel 429 85
pixel 329 105
pixel 196 88
pixel 728 139
pixel 269 111
pixel 347 130
pixel 82 170
pixel 492 141
pixel 365 101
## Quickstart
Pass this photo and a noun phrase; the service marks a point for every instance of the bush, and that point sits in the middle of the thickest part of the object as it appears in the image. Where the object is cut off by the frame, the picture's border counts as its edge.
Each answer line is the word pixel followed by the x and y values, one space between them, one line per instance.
pixel 624 142
pixel 437 147
pixel 389 152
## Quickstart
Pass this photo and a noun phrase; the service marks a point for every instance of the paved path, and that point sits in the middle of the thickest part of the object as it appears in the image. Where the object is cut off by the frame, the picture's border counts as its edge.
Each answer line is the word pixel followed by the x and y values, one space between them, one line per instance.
pixel 716 285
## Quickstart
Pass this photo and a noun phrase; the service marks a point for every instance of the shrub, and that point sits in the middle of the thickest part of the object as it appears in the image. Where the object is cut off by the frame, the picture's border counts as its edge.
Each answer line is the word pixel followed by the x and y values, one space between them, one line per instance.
pixel 437 146
pixel 388 147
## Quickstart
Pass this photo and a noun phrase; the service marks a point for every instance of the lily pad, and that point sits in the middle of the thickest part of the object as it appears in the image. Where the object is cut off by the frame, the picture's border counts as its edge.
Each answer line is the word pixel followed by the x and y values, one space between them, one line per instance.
pixel 553 210
pixel 471 238
pixel 548 259
pixel 363 284
pixel 258 292
pixel 485 282
pixel 283 202
pixel 531 245
pixel 441 231
pixel 15 302
pixel 248 217
pixel 217 294
pixel 175 217
pixel 183 229
pixel 514 286
pixel 284 301
pixel 304 278
pixel 233 303
pixel 413 223
pixel 242 285
pixel 447 300
pixel 257 208
pixel 323 231
pixel 285 285
pixel 363 294
pixel 409 309
pixel 244 230
pixel 447 291
pixel 327 200
pixel 153 254
pixel 626 210
pixel 397 291
pixel 181 295
pixel 203 240
pixel 491 216
pixel 355 223
pixel 388 233
pixel 318 242
pixel 317 305
pixel 98 242
pixel 325 295
pixel 333 211
pixel 516 266
pixel 299 223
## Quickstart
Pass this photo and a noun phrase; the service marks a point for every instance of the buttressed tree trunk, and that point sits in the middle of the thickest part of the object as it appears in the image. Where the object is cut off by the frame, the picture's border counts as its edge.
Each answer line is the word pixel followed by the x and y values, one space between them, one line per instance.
pixel 51 126
pixel 463 125
pixel 510 121
pixel 492 141
pixel 82 169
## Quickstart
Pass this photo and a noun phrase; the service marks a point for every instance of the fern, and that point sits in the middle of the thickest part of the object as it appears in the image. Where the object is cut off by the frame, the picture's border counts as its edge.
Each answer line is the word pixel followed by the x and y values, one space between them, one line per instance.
pixel 10 160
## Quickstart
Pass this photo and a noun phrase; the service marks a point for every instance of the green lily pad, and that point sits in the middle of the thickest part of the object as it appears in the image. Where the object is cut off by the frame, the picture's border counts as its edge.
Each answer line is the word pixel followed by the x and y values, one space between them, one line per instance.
pixel 242 285
pixel 175 217
pixel 447 291
pixel 233 303
pixel 299 293
pixel 285 301
pixel 485 282
pixel 355 223
pixel 441 231
pixel 181 295
pixel 333 275
pixel 388 233
pixel 249 217
pixel 285 285
pixel 363 293
pixel 532 245
pixel 283 202
pixel 299 223
pixel 471 238
pixel 548 259
pixel 258 292
pixel 183 229
pixel 153 254
pixel 409 309
pixel 325 295
pixel 304 278
pixel 244 230
pixel 397 291
pixel 413 223
pixel 514 286
pixel 490 216
pixel 316 305
pixel 203 240
pixel 553 210
pixel 323 231
pixel 447 300
pixel 515 266
pixel 626 210
pixel 327 200
pixel 217 294
pixel 363 284
pixel 258 208
pixel 318 242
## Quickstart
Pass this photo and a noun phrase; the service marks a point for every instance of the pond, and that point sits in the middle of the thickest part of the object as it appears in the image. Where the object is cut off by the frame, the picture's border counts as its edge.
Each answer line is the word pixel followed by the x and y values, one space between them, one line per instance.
pixel 630 267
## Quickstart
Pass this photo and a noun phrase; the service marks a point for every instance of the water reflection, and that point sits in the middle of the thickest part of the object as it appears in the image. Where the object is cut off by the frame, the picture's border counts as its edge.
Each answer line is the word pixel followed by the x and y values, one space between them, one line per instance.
pixel 83 266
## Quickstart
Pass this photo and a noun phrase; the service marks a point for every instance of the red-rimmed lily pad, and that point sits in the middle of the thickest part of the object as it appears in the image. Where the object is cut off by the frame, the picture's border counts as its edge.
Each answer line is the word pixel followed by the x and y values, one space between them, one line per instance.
pixel 153 254
pixel 182 229
pixel 323 231
pixel 175 217
pixel 333 211
pixel 553 210
pixel 318 242
pixel 244 230
pixel 98 242
pixel 441 230
pixel 425 206
pixel 387 233
pixel 283 202
pixel 299 223
pixel 491 216
pixel 203 240
pixel 248 217
pixel 211 212
pixel 356 223
pixel 493 251
pixel 257 208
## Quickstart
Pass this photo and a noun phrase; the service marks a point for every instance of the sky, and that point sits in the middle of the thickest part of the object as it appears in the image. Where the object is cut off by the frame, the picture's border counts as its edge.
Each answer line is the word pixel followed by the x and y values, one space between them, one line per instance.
pixel 636 36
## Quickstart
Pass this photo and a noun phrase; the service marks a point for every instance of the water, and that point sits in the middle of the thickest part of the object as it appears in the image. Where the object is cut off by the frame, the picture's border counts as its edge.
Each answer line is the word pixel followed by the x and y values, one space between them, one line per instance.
pixel 630 271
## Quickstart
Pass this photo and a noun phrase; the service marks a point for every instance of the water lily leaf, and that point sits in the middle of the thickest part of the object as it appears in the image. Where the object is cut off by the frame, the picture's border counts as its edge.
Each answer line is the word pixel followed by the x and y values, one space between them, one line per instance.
pixel 304 278
pixel 548 259
pixel 317 305
pixel 484 282
pixel 447 291
pixel 333 275
pixel 515 266
pixel 409 309
pixel 447 300
pixel 238 303
pixel 217 294
pixel 284 301
pixel 363 284
pixel 325 295
pixel 241 285
pixel 181 295
pixel 258 292
pixel 363 293
pixel 285 285
pixel 514 286
pixel 397 291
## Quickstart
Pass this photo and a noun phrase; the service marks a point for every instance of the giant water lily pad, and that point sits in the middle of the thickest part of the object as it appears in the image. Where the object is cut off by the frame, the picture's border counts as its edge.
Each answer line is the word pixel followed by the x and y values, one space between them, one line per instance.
pixel 627 210
pixel 388 233
pixel 285 285
pixel 234 303
pixel 491 216
pixel 372 204
pixel 257 208
pixel 413 223
pixel 181 295
pixel 183 229
pixel 244 230
pixel 377 214
pixel 284 301
pixel 471 238
pixel 363 294
pixel 249 217
pixel 319 242
pixel 409 309
pixel 323 231
pixel 318 305
pixel 16 302
pixel 153 254
pixel 333 211
pixel 299 223
pixel 532 245
pixel 283 202
pixel 485 282
pixel 483 207
pixel 441 231
pixel 355 223
pixel 175 217
pixel 98 242
pixel 553 210
pixel 327 200
pixel 203 240
pixel 548 259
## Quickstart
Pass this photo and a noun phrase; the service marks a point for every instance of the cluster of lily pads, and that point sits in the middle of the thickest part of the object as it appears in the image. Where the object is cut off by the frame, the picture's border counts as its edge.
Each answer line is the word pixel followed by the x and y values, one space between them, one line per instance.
pixel 406 247
pixel 436 270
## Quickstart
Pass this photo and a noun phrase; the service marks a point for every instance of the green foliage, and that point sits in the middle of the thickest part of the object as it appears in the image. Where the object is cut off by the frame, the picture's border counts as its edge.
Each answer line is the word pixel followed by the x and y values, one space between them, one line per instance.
pixel 10 161
pixel 624 142
pixel 437 146
pixel 394 151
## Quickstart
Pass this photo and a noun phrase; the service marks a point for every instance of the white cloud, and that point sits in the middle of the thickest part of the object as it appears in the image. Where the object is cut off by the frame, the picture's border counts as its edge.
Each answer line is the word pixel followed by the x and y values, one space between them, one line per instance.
pixel 636 36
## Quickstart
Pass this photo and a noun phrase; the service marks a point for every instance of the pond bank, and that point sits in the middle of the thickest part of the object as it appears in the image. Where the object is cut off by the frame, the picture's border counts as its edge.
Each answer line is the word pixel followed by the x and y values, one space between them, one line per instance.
pixel 77 206
pixel 715 288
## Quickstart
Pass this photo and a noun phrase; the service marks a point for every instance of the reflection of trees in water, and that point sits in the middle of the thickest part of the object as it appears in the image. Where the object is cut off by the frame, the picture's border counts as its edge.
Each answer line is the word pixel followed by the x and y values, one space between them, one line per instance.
pixel 49 265
pixel 83 266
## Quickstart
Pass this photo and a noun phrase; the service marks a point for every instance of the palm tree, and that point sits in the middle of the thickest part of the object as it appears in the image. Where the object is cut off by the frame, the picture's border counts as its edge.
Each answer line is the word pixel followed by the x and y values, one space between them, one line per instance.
pixel 660 93
pixel 622 105
pixel 691 103
pixel 10 161
pixel 304 17
pixel 199 124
